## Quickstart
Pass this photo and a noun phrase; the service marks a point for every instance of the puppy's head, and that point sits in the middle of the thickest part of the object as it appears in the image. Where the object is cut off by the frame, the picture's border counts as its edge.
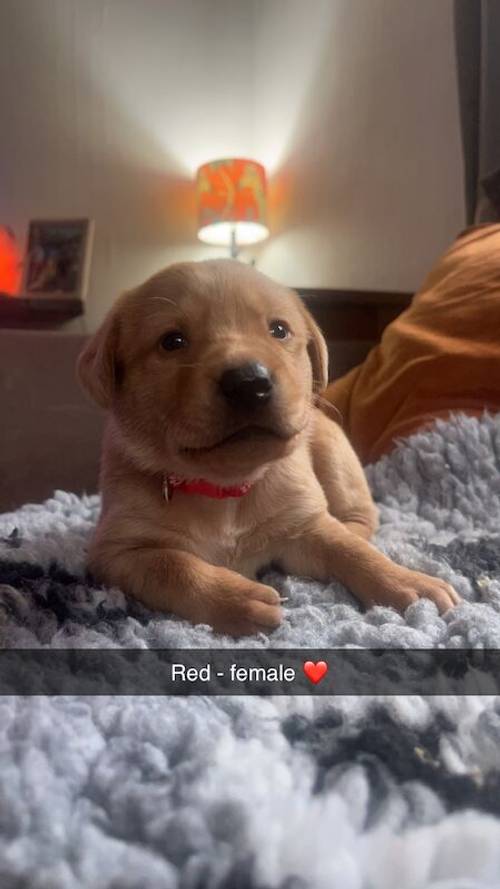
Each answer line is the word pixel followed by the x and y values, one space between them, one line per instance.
pixel 209 369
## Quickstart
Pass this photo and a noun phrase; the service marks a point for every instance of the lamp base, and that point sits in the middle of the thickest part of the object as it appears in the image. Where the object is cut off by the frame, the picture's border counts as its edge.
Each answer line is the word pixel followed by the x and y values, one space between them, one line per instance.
pixel 233 247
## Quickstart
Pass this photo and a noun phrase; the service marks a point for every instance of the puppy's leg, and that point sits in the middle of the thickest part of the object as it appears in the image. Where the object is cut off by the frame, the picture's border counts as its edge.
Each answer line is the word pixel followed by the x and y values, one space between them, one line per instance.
pixel 328 549
pixel 177 581
pixel 342 478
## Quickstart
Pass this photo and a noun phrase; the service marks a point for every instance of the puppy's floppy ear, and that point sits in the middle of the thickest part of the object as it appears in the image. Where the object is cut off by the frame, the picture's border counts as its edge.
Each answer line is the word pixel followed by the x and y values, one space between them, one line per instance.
pixel 97 366
pixel 318 353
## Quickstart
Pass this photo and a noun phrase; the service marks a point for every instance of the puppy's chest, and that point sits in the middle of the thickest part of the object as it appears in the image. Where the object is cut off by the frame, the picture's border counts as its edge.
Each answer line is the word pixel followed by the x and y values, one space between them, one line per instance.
pixel 226 534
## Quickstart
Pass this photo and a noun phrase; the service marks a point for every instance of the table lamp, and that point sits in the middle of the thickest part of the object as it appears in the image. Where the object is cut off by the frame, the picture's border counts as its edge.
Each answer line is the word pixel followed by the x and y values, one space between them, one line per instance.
pixel 231 203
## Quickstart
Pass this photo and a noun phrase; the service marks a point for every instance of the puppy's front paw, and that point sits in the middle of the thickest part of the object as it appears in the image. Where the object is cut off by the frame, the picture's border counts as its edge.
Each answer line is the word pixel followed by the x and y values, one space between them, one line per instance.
pixel 246 609
pixel 405 587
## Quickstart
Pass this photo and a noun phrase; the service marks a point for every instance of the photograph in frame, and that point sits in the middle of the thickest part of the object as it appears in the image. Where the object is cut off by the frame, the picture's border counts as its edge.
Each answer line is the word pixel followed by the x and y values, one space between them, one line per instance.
pixel 58 258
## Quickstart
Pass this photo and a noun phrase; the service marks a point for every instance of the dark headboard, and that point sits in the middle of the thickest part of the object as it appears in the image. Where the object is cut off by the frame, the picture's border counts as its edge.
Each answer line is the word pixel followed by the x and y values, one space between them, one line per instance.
pixel 352 321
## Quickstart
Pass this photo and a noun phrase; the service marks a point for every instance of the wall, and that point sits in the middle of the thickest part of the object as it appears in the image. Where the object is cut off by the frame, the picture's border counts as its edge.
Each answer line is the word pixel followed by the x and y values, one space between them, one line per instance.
pixel 106 109
pixel 108 106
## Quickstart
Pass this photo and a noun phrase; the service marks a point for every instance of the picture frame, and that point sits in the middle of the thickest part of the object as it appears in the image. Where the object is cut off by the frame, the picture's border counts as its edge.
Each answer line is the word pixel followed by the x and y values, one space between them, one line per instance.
pixel 57 261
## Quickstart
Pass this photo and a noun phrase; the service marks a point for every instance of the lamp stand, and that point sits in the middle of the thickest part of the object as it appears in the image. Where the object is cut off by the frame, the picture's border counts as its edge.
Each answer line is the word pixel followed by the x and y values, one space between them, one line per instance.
pixel 233 246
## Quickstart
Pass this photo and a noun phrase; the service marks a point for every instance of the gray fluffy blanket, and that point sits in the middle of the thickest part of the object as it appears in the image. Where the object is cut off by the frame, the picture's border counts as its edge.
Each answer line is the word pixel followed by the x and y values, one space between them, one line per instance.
pixel 260 793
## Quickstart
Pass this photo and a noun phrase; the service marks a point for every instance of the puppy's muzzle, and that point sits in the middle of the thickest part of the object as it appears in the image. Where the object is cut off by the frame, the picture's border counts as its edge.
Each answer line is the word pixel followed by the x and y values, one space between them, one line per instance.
pixel 248 386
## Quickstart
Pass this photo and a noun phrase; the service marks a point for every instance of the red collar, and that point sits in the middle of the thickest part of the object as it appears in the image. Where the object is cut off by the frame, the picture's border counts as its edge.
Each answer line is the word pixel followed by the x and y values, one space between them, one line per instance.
pixel 202 486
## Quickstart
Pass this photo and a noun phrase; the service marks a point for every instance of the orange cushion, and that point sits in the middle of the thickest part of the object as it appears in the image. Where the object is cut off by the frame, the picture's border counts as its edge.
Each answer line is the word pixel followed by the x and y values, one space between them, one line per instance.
pixel 440 355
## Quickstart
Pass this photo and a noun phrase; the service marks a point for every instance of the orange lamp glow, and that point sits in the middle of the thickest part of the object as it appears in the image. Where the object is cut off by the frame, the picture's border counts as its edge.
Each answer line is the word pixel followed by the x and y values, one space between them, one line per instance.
pixel 231 203
pixel 10 262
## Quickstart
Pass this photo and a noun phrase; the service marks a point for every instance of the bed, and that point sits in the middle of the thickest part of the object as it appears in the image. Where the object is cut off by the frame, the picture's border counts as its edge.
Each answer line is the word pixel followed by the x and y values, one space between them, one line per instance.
pixel 310 791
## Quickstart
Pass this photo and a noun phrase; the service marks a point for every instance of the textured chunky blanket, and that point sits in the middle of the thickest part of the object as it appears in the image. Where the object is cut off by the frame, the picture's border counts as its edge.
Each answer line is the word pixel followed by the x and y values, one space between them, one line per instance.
pixel 259 793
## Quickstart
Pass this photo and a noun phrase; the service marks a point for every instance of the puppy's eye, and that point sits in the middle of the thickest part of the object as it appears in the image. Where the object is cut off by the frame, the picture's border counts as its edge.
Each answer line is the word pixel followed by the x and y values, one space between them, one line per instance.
pixel 173 340
pixel 279 330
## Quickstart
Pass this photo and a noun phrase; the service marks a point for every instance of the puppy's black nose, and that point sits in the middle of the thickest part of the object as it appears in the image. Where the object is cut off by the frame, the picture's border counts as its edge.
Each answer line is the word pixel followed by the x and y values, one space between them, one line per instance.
pixel 249 385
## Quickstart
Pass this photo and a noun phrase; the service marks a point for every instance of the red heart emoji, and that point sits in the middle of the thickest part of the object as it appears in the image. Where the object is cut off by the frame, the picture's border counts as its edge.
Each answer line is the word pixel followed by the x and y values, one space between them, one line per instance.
pixel 315 672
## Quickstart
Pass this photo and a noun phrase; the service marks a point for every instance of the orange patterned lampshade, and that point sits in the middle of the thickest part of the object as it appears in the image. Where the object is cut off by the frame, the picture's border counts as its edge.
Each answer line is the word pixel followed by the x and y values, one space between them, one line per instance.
pixel 231 202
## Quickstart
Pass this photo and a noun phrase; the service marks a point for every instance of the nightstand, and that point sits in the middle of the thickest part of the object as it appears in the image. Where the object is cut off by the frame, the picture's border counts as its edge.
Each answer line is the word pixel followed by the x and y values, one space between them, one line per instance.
pixel 37 313
pixel 352 321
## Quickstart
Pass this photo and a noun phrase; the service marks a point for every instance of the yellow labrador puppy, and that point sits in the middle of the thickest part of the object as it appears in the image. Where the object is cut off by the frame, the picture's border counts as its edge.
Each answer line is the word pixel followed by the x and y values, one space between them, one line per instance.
pixel 216 460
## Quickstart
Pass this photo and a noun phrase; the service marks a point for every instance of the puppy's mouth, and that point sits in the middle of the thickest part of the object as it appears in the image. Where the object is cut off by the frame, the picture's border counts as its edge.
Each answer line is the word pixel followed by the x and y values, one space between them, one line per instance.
pixel 251 434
